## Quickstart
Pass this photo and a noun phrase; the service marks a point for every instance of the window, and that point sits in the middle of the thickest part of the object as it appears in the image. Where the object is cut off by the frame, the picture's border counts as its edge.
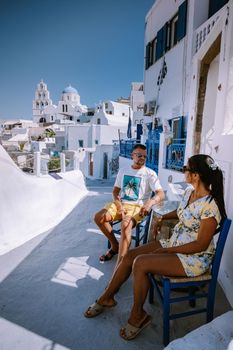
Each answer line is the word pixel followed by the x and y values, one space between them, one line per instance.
pixel 80 143
pixel 152 51
pixel 78 120
pixel 110 112
pixel 51 117
pixel 168 36
pixel 178 127
pixel 123 114
pixel 174 24
pixel 215 5
pixel 98 121
pixel 162 42
pixel 106 105
pixel 181 25
pixel 66 108
pixel 96 142
pixel 147 59
pixel 63 108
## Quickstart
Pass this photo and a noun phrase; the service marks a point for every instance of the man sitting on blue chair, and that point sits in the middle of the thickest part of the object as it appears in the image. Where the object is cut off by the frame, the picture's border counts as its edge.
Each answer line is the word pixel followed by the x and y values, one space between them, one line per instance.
pixel 131 202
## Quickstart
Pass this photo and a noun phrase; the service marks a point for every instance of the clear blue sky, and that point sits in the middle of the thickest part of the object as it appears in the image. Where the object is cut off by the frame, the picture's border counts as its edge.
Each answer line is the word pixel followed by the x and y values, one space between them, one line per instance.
pixel 94 45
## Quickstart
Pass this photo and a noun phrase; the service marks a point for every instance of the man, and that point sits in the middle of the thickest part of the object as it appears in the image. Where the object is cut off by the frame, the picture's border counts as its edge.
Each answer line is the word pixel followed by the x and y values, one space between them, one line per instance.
pixel 132 201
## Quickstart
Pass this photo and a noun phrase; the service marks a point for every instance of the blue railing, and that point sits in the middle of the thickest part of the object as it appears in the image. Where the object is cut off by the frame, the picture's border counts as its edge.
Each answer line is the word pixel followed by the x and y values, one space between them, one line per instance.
pixel 152 144
pixel 126 147
pixel 174 157
pixel 175 154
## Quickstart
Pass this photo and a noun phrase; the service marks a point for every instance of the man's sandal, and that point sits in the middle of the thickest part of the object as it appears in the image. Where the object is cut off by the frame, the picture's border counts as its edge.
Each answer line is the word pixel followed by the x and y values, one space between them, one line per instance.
pixel 130 332
pixel 96 309
pixel 108 256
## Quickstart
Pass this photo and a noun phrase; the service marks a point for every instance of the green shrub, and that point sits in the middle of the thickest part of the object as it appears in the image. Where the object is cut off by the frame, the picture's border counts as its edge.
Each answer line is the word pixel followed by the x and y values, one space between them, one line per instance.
pixel 54 164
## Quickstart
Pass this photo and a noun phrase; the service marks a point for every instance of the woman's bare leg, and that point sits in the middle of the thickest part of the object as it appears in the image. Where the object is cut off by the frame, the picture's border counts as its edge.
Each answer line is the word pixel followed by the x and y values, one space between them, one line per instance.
pixel 123 271
pixel 125 240
pixel 161 264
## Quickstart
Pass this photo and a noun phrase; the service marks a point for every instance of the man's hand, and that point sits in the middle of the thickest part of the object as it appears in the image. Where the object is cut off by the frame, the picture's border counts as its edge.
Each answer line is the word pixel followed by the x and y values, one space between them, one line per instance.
pixel 144 210
pixel 120 208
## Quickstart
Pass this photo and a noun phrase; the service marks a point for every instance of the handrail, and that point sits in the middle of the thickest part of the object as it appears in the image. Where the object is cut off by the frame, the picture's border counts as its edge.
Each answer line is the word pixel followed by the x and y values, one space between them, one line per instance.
pixel 203 31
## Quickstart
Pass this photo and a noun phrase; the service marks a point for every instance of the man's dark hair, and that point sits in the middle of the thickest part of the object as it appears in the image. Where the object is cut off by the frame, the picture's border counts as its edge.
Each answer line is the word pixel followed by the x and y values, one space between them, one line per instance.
pixel 139 145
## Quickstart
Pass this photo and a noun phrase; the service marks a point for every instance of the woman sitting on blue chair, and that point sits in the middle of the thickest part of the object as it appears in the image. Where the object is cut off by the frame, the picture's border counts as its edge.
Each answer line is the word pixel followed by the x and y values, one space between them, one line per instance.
pixel 188 252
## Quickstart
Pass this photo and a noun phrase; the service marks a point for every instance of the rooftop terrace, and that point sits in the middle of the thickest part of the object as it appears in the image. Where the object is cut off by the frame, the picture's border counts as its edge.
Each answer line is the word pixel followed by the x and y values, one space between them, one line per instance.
pixel 48 282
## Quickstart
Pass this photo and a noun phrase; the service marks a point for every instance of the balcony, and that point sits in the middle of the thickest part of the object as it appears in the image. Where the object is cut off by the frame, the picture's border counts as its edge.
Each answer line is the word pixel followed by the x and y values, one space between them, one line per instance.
pixel 204 30
pixel 152 144
pixel 175 154
pixel 126 147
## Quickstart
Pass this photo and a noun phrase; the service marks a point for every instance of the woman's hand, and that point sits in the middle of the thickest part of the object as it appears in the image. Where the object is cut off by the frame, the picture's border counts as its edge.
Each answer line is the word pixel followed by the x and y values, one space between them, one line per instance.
pixel 158 220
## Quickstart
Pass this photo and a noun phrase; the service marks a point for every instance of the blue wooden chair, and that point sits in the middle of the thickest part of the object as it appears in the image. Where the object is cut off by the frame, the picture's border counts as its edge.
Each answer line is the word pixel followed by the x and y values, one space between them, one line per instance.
pixel 165 284
pixel 139 233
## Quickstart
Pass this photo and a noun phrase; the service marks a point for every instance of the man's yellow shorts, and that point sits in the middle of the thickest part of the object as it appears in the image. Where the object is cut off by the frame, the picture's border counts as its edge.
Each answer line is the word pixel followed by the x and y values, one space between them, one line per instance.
pixel 131 210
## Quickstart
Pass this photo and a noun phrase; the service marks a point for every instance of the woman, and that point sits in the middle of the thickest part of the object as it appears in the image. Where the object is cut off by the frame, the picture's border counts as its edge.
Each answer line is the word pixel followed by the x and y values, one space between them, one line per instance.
pixel 188 252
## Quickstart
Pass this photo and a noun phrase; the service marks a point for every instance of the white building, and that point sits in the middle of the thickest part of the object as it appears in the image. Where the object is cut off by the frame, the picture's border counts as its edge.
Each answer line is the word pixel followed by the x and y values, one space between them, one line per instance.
pixel 111 113
pixel 96 147
pixel 41 101
pixel 16 133
pixel 68 110
pixel 188 84
pixel 137 102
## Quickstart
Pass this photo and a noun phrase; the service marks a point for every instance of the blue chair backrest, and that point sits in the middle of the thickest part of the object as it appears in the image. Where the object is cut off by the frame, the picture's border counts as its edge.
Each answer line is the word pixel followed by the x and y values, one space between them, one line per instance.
pixel 224 229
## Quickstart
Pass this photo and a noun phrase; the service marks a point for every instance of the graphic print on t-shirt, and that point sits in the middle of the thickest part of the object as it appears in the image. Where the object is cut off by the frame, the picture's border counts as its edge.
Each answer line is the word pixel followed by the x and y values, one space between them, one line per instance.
pixel 130 189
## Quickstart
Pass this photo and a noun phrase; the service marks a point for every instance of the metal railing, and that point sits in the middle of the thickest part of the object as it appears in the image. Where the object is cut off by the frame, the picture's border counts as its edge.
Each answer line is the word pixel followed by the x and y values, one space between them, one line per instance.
pixel 152 144
pixel 175 154
pixel 126 147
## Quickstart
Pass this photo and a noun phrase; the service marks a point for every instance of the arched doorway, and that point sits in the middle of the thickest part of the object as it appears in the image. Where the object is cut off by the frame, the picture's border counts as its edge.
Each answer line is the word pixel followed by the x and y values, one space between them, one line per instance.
pixel 206 99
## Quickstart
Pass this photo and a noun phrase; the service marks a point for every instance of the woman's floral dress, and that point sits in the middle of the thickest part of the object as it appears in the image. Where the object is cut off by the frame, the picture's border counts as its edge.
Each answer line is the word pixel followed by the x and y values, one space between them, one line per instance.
pixel 186 231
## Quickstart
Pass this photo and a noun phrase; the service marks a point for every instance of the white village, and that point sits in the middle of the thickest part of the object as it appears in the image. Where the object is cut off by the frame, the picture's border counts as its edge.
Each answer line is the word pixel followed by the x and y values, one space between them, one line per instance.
pixel 59 168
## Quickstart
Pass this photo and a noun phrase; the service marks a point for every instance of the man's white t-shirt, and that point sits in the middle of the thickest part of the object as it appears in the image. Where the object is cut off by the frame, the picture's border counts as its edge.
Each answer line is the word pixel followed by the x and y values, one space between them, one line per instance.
pixel 137 184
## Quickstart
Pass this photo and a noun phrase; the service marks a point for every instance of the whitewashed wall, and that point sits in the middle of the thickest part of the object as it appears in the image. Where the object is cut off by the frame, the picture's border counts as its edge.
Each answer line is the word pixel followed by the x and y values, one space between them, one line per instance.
pixel 217 140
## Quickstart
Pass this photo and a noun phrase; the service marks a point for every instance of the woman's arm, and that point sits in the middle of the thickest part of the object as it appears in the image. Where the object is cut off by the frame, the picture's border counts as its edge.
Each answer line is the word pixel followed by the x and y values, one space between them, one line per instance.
pixel 171 215
pixel 205 235
pixel 158 221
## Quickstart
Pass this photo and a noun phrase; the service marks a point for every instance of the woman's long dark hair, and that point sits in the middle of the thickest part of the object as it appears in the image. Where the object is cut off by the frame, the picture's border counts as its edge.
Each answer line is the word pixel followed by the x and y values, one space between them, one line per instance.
pixel 211 176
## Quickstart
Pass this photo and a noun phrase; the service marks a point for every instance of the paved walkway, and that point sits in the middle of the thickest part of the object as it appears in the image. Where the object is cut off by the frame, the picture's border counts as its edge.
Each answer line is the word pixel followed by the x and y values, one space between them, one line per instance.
pixel 47 283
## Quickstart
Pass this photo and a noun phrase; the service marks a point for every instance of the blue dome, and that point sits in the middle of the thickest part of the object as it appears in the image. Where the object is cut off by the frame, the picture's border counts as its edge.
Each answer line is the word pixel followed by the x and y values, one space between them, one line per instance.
pixel 70 90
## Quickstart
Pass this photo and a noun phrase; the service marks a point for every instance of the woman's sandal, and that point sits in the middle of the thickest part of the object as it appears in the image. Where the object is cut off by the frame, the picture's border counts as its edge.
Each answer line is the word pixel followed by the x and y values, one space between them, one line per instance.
pixel 96 309
pixel 108 256
pixel 130 332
